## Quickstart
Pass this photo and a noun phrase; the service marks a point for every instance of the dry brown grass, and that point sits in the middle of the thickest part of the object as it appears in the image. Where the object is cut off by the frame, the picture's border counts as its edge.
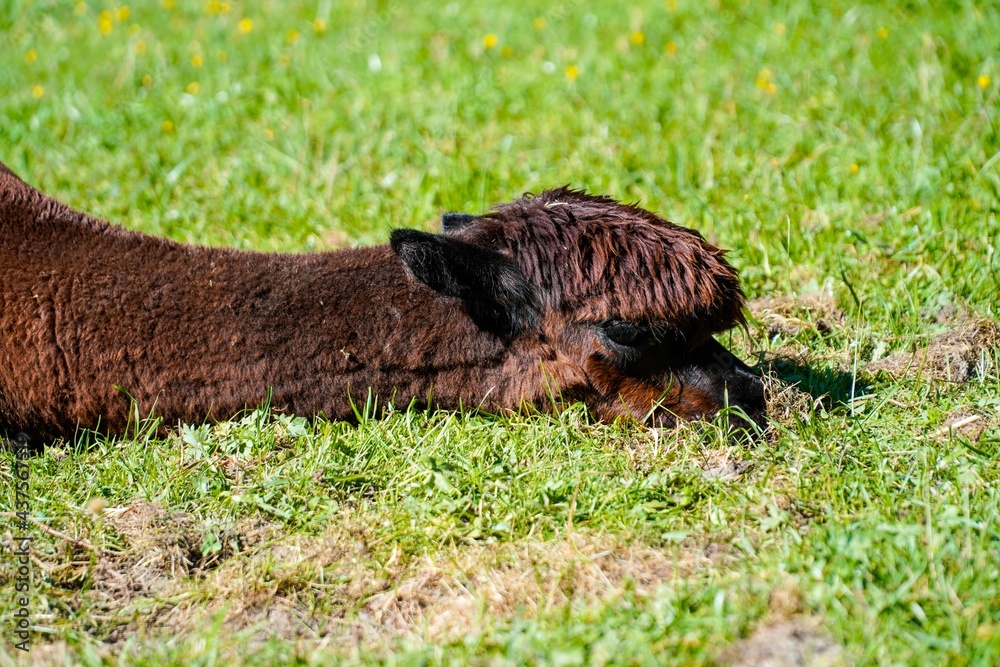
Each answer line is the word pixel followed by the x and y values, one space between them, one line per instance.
pixel 331 588
pixel 789 316
pixel 433 599
pixel 954 356
pixel 786 402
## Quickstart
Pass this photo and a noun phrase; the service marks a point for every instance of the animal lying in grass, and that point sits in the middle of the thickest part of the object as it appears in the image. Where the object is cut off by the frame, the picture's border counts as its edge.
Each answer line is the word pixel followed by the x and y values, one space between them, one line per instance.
pixel 549 299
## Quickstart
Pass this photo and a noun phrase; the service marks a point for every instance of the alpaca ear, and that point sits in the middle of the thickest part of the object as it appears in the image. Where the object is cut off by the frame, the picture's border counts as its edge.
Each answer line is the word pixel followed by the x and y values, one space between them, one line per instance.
pixel 496 294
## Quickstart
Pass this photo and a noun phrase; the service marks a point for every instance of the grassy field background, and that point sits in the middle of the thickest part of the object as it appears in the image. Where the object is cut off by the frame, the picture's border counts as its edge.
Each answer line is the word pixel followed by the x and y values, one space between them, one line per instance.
pixel 847 154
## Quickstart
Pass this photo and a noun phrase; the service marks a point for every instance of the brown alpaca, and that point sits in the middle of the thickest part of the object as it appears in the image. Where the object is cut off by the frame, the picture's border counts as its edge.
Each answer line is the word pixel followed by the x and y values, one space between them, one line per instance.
pixel 553 298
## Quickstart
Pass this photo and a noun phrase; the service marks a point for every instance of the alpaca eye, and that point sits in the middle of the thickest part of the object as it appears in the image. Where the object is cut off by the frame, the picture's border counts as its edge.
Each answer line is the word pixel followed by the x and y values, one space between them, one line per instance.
pixel 623 333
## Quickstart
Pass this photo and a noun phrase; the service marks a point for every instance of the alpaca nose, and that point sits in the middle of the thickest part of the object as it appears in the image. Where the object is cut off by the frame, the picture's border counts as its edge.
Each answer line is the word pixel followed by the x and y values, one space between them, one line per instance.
pixel 737 385
pixel 746 391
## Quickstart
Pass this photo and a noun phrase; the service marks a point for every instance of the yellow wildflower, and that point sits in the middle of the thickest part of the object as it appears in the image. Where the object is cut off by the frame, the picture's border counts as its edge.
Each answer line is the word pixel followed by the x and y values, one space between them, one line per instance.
pixel 882 32
pixel 490 40
pixel 780 29
pixel 221 56
pixel 147 81
pixel 637 38
pixel 539 23
pixel 197 60
pixel 319 26
pixel 167 4
pixel 167 126
pixel 80 9
pixel 765 83
pixel 572 72
pixel 31 56
pixel 215 7
pixel 245 26
pixel 193 88
pixel 292 36
pixel 104 24
pixel 37 91
pixel 506 51
pixel 122 13
pixel 671 48
pixel 671 5
pixel 269 133
pixel 855 168
pixel 983 81
pixel 139 47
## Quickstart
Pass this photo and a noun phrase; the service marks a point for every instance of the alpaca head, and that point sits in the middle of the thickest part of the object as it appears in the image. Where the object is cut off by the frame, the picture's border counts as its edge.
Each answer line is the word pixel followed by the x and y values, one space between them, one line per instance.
pixel 623 303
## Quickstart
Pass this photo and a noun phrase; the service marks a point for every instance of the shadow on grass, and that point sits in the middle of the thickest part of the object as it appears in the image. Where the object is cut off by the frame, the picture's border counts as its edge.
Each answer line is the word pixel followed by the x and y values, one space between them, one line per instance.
pixel 833 387
pixel 20 443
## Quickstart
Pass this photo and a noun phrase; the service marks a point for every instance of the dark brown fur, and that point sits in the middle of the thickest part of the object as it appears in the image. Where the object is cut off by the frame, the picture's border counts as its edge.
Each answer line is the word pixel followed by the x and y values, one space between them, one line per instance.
pixel 598 259
pixel 93 316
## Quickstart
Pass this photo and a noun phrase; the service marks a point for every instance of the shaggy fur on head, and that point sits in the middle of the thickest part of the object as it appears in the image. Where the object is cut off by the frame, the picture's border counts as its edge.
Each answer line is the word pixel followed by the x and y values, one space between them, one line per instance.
pixel 548 299
pixel 599 259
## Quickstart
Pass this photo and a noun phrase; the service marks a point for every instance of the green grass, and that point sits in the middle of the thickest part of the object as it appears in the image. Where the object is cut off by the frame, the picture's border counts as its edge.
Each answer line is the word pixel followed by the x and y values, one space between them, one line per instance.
pixel 846 153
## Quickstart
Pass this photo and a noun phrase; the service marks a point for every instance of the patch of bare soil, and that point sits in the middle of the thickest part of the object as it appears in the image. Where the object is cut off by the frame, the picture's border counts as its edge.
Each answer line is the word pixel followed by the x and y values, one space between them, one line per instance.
pixel 154 550
pixel 789 643
pixel 292 588
pixel 160 547
pixel 954 356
